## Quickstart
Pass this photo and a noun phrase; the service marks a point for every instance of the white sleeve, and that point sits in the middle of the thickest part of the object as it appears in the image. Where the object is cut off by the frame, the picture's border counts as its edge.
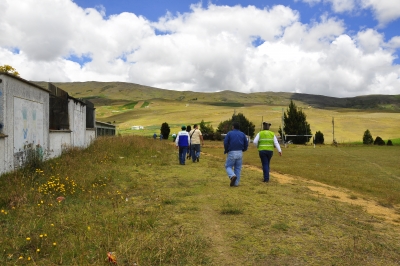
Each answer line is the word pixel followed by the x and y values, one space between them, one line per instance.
pixel 255 141
pixel 276 143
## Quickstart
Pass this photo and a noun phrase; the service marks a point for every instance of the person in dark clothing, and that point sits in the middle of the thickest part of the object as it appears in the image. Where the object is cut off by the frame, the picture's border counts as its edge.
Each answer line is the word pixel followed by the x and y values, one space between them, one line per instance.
pixel 235 143
pixel 188 129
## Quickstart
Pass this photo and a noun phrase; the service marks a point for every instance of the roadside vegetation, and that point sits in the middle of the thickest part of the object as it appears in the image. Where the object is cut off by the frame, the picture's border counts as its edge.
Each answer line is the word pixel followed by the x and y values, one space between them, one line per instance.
pixel 128 195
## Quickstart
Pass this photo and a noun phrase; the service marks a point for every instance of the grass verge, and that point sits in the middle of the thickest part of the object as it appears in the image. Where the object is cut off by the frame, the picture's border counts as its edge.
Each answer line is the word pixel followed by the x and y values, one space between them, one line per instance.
pixel 130 196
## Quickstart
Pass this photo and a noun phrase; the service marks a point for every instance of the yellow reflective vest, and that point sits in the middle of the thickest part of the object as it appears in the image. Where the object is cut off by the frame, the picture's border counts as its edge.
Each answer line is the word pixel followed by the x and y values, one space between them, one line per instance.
pixel 266 141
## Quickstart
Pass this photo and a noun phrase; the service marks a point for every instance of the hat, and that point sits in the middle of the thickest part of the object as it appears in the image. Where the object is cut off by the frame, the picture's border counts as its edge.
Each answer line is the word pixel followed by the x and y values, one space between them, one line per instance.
pixel 183 127
pixel 266 123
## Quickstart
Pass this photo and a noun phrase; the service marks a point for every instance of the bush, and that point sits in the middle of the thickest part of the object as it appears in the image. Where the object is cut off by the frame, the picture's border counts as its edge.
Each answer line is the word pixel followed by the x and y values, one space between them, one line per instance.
pixel 379 141
pixel 206 128
pixel 165 130
pixel 389 143
pixel 319 137
pixel 217 136
pixel 367 138
pixel 247 127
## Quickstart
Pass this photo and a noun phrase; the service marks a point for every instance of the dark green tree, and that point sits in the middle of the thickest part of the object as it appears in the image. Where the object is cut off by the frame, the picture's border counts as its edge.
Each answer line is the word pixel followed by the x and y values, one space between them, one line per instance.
pixel 319 137
pixel 389 143
pixel 165 130
pixel 246 126
pixel 296 124
pixel 367 138
pixel 206 128
pixel 379 141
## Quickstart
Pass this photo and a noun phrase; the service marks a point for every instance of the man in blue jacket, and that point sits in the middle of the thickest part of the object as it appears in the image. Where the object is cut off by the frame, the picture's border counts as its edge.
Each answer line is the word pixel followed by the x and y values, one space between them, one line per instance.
pixel 235 143
pixel 182 142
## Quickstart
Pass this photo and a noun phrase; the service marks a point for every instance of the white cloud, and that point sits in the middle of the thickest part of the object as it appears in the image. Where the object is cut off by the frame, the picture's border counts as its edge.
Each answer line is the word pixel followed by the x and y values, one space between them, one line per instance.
pixel 206 49
pixel 385 11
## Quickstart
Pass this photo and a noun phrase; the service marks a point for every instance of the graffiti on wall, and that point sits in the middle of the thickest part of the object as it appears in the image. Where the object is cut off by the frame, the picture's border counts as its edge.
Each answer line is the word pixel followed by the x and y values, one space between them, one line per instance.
pixel 28 123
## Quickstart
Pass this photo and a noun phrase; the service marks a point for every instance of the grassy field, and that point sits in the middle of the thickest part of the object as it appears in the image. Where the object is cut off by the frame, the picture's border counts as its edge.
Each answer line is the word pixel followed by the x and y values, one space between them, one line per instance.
pixel 129 195
pixel 349 126
pixel 128 104
pixel 365 169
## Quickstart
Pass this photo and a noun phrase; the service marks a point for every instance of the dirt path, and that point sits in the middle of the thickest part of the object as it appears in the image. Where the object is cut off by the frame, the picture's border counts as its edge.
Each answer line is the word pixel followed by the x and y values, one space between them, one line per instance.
pixel 215 233
pixel 388 215
pixel 138 105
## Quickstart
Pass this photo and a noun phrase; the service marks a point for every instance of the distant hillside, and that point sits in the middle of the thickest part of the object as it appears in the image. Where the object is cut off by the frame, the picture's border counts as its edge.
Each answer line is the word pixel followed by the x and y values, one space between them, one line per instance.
pixel 108 93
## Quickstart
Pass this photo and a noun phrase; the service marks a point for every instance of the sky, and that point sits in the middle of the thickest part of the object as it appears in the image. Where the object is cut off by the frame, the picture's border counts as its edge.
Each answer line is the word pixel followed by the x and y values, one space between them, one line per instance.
pixel 338 48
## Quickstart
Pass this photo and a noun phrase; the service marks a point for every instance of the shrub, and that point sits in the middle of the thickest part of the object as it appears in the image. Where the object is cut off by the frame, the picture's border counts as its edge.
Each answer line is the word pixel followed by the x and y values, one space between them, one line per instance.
pixel 217 136
pixel 389 143
pixel 379 141
pixel 165 130
pixel 367 138
pixel 319 137
pixel 247 127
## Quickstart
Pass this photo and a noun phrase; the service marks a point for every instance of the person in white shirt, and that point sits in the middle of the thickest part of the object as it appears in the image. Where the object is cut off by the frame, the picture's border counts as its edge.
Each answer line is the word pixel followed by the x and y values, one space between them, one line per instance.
pixel 195 139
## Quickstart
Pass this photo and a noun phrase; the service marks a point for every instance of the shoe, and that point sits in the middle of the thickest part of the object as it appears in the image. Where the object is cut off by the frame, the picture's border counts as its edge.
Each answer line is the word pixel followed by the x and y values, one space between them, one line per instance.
pixel 233 180
pixel 197 159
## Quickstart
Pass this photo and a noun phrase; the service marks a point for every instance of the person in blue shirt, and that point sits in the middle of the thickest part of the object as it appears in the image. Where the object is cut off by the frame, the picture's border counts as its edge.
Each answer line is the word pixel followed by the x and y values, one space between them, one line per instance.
pixel 235 143
pixel 154 136
pixel 182 143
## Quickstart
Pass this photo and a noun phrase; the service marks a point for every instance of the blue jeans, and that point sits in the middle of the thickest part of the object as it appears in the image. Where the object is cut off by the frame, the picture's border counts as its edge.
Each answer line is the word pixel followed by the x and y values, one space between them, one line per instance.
pixel 182 154
pixel 195 151
pixel 265 157
pixel 233 165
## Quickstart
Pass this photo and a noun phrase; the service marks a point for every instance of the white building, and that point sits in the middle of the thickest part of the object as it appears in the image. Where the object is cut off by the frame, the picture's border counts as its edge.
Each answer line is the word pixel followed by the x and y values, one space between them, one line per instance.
pixel 32 117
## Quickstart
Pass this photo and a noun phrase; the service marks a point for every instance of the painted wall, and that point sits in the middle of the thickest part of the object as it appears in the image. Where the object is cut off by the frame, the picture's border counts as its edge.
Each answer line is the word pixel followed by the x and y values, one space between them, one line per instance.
pixel 77 122
pixel 90 136
pixel 24 112
pixel 2 155
pixel 59 141
pixel 24 121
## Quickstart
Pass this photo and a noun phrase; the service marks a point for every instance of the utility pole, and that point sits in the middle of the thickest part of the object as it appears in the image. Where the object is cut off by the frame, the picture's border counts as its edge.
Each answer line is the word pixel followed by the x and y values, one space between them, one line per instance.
pixel 262 120
pixel 333 129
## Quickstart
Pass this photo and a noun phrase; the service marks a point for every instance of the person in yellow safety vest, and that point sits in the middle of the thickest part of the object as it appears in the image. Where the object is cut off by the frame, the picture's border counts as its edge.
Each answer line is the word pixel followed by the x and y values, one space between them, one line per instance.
pixel 265 142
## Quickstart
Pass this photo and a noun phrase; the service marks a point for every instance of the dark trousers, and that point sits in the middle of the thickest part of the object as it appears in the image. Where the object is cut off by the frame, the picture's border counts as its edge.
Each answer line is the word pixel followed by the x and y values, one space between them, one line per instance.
pixel 265 157
pixel 195 151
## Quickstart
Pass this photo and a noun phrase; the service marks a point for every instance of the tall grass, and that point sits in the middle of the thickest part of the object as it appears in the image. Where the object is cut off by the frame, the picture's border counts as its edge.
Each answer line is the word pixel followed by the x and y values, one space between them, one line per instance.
pixel 129 195
pixel 110 205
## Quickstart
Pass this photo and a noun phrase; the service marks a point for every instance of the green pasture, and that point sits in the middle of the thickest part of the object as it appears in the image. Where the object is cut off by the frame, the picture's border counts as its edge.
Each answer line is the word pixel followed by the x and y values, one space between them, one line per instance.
pixel 129 195
pixel 366 169
pixel 349 125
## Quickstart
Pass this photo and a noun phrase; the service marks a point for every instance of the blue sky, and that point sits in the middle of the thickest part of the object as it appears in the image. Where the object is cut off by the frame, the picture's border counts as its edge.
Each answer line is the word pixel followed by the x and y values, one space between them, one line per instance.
pixel 339 48
pixel 154 9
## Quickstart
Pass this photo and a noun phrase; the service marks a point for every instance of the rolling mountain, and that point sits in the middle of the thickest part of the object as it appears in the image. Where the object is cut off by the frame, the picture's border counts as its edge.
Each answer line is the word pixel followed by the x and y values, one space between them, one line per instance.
pixel 107 93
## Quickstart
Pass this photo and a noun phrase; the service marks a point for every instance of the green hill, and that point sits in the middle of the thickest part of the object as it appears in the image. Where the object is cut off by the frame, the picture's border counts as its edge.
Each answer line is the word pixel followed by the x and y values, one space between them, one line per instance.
pixel 109 93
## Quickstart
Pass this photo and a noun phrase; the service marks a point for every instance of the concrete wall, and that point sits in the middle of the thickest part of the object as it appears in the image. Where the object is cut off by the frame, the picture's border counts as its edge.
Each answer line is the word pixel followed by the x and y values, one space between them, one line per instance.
pixel 24 122
pixel 24 118
pixel 2 155
pixel 77 122
pixel 90 136
pixel 59 141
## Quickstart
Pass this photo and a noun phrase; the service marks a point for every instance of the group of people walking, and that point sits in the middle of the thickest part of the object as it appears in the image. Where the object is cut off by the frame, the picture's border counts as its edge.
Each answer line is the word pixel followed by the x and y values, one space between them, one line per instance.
pixel 188 142
pixel 235 143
